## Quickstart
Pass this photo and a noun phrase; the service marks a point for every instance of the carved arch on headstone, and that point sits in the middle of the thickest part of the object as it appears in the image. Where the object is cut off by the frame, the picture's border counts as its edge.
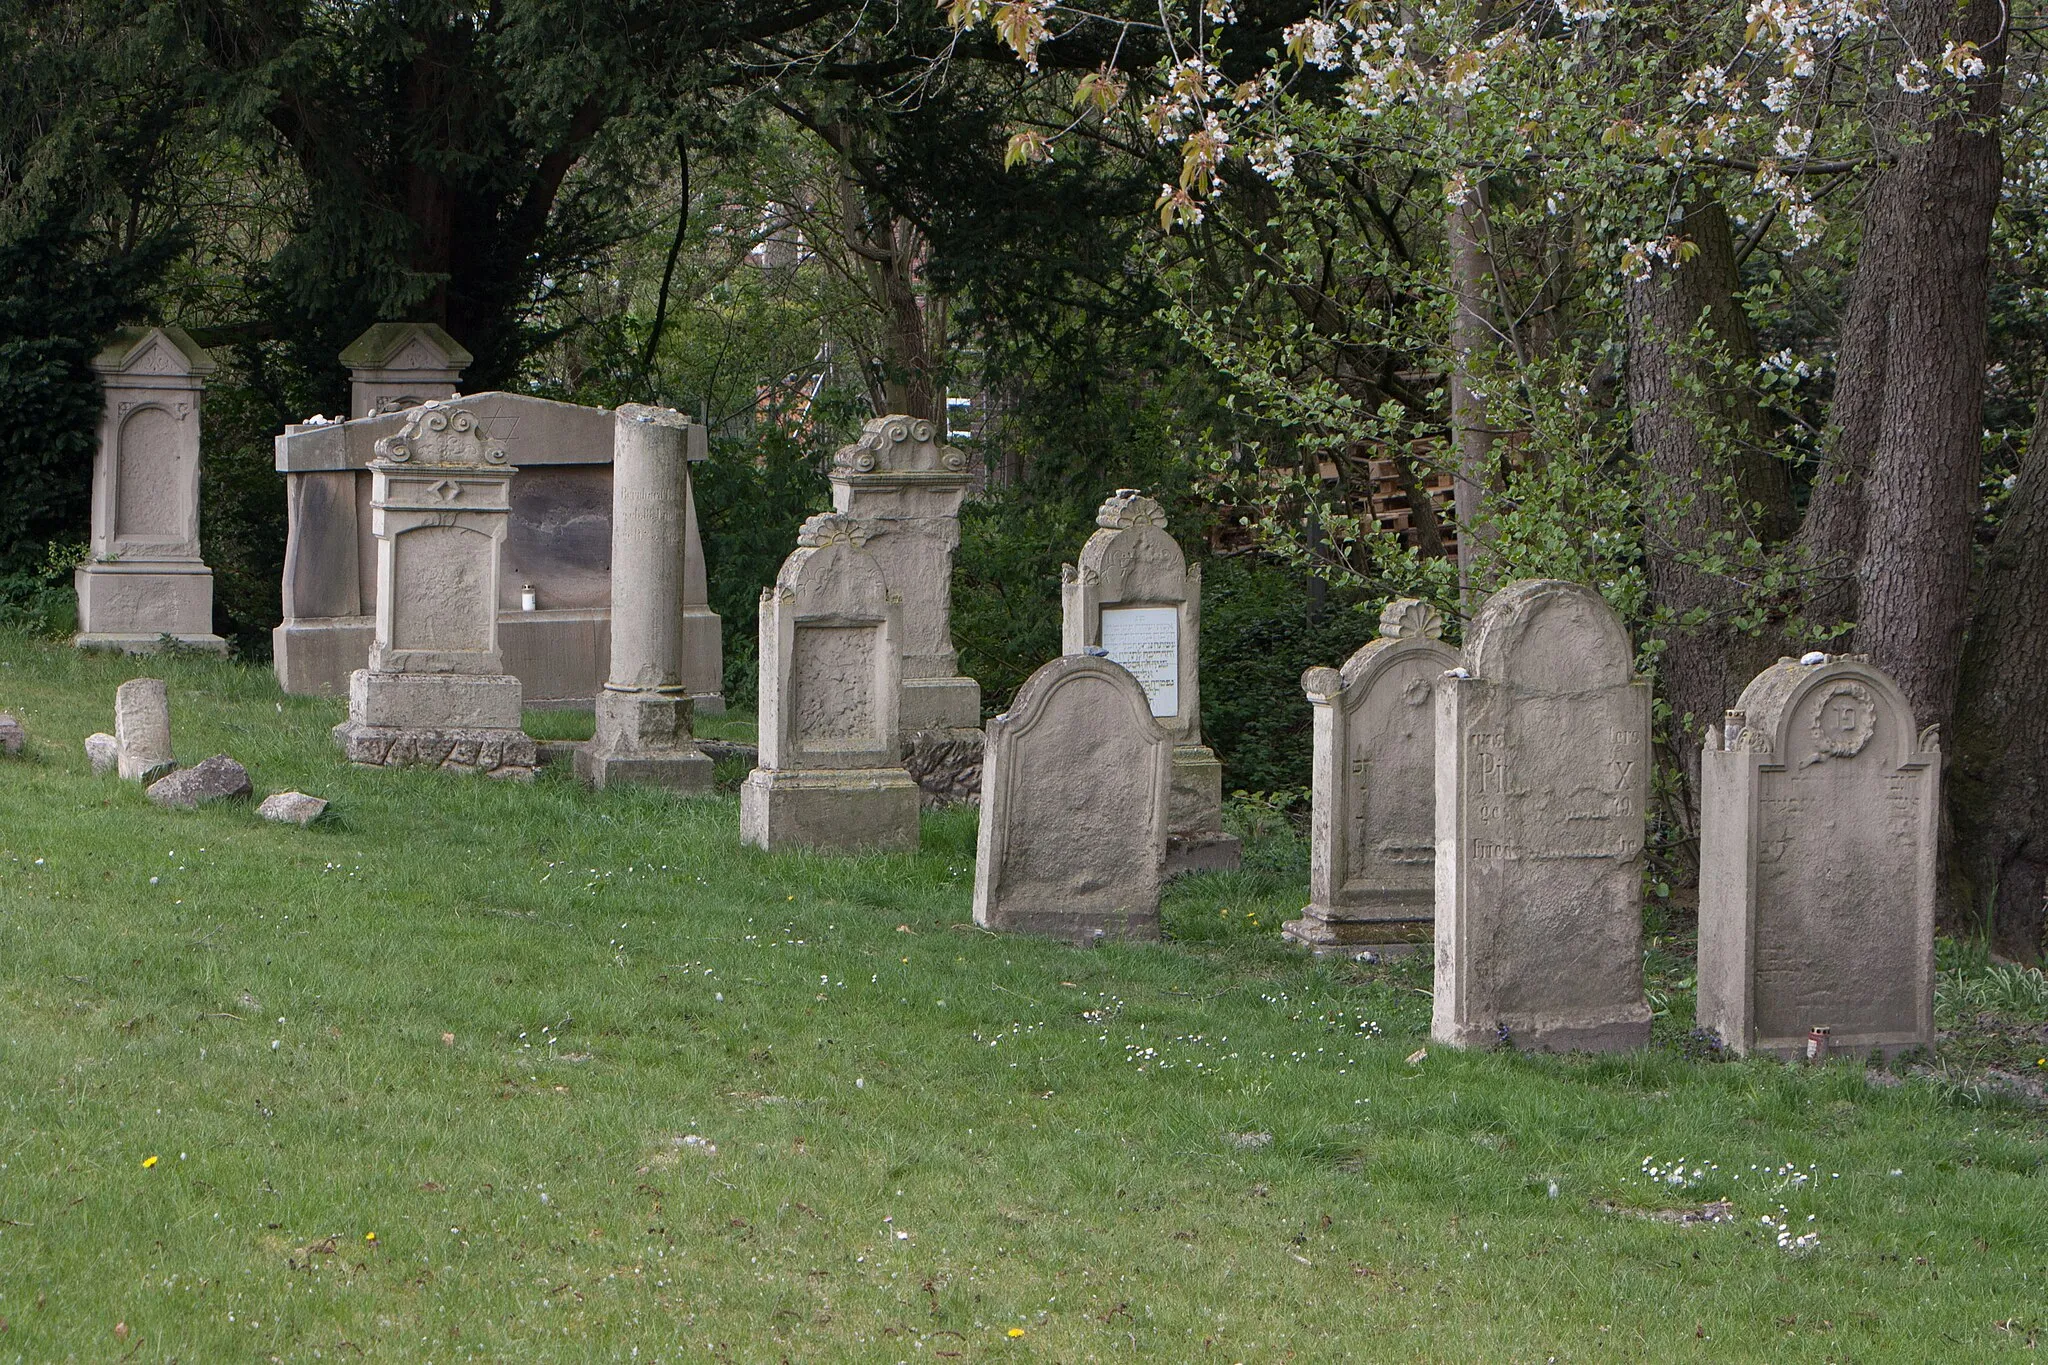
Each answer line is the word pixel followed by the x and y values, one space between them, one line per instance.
pixel 1515 639
pixel 1838 710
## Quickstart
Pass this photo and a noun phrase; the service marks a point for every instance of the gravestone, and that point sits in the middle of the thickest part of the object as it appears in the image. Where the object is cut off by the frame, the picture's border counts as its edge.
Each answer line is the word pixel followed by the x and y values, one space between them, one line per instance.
pixel 643 712
pixel 145 579
pixel 13 739
pixel 1820 815
pixel 399 365
pixel 1542 772
pixel 219 778
pixel 142 729
pixel 436 693
pixel 559 544
pixel 1134 597
pixel 830 772
pixel 1075 794
pixel 1372 830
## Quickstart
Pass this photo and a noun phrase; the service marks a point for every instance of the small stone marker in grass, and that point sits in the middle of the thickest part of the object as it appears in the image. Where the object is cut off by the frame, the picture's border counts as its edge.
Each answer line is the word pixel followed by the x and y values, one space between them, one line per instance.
pixel 1372 834
pixel 142 729
pixel 1543 758
pixel 291 808
pixel 217 779
pixel 12 737
pixel 103 751
pixel 1074 803
pixel 1818 857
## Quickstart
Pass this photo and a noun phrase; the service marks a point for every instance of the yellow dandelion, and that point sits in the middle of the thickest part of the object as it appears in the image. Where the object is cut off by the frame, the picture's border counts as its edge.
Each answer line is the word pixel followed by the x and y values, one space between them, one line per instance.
pixel 369 1237
pixel 148 1162
pixel 1016 1331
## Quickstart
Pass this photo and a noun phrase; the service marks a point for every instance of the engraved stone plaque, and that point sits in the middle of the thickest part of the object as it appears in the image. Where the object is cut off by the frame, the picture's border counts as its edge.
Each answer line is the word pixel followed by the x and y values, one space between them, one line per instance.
pixel 1146 641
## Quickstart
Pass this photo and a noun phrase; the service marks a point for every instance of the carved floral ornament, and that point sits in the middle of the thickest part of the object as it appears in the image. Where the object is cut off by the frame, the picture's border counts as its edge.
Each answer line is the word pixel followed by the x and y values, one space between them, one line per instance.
pixel 1842 719
pixel 440 436
pixel 831 528
pixel 1127 509
pixel 1408 618
pixel 880 448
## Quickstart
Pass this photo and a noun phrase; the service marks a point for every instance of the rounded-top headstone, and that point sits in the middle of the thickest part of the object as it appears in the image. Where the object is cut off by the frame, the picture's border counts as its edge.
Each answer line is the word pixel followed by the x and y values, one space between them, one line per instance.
pixel 1546 635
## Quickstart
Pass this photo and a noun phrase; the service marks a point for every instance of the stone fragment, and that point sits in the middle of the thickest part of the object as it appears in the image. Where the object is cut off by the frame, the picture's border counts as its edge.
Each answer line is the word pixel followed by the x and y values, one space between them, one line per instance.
pixel 216 779
pixel 1819 833
pixel 145 579
pixel 103 751
pixel 291 808
pixel 1542 770
pixel 1372 831
pixel 1075 794
pixel 1134 597
pixel 831 770
pixel 142 729
pixel 12 737
pixel 946 761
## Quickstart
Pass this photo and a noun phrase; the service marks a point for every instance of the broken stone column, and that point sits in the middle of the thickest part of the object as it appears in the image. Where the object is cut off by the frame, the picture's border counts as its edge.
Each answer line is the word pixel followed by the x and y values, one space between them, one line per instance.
pixel 1134 597
pixel 436 693
pixel 1075 794
pixel 145 579
pixel 643 711
pixel 1372 831
pixel 1542 774
pixel 142 729
pixel 398 365
pixel 831 772
pixel 1820 816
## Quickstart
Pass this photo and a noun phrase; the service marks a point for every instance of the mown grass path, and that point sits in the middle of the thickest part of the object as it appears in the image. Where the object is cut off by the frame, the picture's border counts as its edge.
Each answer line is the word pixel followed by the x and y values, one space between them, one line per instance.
pixel 421 1082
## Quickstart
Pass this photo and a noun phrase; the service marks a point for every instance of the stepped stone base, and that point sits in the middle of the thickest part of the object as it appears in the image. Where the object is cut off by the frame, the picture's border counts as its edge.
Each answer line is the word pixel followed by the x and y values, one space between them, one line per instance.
pixel 492 752
pixel 873 809
pixel 1386 937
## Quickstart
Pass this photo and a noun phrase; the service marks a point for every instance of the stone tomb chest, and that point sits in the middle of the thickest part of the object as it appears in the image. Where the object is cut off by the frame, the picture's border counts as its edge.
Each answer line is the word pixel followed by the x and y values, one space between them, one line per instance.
pixel 558 544
pixel 1817 864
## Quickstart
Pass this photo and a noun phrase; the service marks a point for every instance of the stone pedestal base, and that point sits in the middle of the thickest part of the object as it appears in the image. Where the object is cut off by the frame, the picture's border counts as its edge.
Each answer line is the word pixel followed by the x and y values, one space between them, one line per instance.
pixel 133 605
pixel 940 704
pixel 1083 930
pixel 1195 839
pixel 946 763
pixel 454 721
pixel 844 809
pixel 1386 937
pixel 494 753
pixel 1624 1033
pixel 643 739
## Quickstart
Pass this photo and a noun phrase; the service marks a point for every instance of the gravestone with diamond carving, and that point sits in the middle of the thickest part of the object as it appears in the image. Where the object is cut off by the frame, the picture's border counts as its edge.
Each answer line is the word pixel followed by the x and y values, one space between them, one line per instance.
pixel 436 693
pixel 1820 818
pixel 1372 830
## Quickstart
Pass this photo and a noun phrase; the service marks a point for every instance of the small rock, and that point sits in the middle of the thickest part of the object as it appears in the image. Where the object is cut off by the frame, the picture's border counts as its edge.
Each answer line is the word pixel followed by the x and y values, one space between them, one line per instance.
pixel 295 808
pixel 104 751
pixel 1250 1142
pixel 718 750
pixel 1812 658
pixel 12 736
pixel 217 778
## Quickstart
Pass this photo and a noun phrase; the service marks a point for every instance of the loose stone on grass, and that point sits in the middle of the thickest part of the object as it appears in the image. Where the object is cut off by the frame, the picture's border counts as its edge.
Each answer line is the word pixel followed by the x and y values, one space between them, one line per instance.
pixel 104 753
pixel 218 778
pixel 293 808
pixel 12 736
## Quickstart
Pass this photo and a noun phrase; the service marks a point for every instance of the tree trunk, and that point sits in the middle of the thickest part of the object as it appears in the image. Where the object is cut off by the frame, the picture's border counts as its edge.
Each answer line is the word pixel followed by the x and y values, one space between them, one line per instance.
pixel 1472 338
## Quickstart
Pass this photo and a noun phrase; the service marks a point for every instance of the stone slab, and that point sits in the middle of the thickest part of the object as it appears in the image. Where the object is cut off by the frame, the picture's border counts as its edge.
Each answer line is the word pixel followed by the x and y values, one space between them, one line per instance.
pixel 219 778
pixel 292 808
pixel 851 810
pixel 494 753
pixel 435 701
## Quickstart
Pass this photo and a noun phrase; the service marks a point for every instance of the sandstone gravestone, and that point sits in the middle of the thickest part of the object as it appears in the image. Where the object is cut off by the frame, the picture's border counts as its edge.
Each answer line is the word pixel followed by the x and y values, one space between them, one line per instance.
pixel 1372 832
pixel 831 772
pixel 1075 794
pixel 436 693
pixel 559 543
pixel 1819 823
pixel 142 729
pixel 399 365
pixel 219 778
pixel 1542 773
pixel 145 579
pixel 643 712
pixel 1134 597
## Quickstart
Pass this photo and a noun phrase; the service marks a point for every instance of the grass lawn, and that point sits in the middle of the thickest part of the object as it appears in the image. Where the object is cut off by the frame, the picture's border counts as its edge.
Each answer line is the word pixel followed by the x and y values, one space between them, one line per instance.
pixel 474 1070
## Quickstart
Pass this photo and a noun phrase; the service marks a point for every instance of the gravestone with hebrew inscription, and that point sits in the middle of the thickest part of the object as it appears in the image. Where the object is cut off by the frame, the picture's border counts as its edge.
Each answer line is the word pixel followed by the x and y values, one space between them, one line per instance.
pixel 1820 818
pixel 145 580
pixel 1134 597
pixel 1074 798
pixel 1372 830
pixel 830 772
pixel 1542 773
pixel 436 693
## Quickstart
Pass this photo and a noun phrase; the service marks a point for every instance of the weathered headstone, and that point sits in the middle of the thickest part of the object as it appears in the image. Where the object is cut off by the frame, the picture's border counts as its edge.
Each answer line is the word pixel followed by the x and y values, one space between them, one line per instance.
pixel 436 693
pixel 1074 800
pixel 145 579
pixel 831 772
pixel 13 739
pixel 1818 856
pixel 904 486
pixel 1542 771
pixel 643 711
pixel 142 729
pixel 1372 832
pixel 292 808
pixel 219 778
pixel 1134 596
pixel 103 751
pixel 399 365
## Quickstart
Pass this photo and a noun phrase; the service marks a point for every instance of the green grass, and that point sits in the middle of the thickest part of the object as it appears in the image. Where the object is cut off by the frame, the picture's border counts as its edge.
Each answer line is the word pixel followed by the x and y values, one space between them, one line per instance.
pixel 479 1020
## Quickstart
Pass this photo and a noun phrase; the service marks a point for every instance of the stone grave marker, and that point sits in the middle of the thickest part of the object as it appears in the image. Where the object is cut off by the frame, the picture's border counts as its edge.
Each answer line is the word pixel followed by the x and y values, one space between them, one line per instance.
pixel 1075 793
pixel 1818 858
pixel 1372 830
pixel 436 693
pixel 142 729
pixel 13 738
pixel 830 772
pixel 145 579
pixel 1134 597
pixel 398 365
pixel 1542 772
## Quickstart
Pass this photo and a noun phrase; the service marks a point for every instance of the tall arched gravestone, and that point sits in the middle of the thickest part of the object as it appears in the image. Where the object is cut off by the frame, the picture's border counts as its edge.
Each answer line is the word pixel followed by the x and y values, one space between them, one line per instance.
pixel 436 693
pixel 1543 761
pixel 1134 597
pixel 1372 833
pixel 1074 798
pixel 1819 819
pixel 145 579
pixel 831 772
